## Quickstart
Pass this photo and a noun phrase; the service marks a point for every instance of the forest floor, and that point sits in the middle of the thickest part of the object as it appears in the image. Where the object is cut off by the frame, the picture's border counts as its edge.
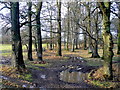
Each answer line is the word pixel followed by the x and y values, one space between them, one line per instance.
pixel 47 74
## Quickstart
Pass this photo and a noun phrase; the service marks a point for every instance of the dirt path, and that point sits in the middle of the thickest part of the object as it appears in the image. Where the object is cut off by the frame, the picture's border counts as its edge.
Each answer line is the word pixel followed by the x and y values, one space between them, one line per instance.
pixel 49 77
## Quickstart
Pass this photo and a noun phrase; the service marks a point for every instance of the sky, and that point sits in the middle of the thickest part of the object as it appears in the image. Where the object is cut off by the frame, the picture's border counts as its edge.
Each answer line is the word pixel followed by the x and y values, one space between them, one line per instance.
pixel 64 10
pixel 7 11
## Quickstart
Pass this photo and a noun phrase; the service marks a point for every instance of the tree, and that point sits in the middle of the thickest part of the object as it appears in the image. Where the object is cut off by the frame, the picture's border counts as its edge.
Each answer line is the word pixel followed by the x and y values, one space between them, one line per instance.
pixel 59 52
pixel 16 38
pixel 68 25
pixel 30 32
pixel 89 28
pixel 107 39
pixel 118 51
pixel 39 37
pixel 95 44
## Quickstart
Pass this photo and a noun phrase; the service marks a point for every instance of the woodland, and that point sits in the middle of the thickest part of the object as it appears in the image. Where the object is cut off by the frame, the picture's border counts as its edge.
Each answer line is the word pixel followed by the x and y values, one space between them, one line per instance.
pixel 60 44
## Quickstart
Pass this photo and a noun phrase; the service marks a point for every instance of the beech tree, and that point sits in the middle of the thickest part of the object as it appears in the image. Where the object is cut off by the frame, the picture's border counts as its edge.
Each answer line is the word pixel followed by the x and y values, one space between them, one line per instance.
pixel 39 37
pixel 59 52
pixel 16 38
pixel 107 39
pixel 30 31
pixel 118 41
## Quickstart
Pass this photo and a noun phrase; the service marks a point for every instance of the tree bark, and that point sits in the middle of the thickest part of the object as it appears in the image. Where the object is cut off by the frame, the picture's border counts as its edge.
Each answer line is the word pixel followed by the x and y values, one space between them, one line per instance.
pixel 51 45
pixel 107 39
pixel 95 47
pixel 39 37
pixel 95 50
pixel 30 32
pixel 118 40
pixel 59 52
pixel 68 23
pixel 118 51
pixel 85 41
pixel 89 30
pixel 16 38
pixel 76 41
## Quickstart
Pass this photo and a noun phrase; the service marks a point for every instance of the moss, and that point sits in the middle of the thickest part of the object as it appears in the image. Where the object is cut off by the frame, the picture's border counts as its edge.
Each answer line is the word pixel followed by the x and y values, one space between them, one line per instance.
pixel 28 77
pixel 32 67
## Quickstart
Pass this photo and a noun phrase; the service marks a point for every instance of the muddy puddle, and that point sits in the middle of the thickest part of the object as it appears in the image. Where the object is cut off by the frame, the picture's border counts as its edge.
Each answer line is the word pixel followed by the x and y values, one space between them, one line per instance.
pixel 72 77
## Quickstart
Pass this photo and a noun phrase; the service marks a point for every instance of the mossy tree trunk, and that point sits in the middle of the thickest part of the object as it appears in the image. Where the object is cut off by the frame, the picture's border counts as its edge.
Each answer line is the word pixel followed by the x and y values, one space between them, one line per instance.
pixel 16 38
pixel 118 41
pixel 107 39
pixel 30 32
pixel 59 51
pixel 39 36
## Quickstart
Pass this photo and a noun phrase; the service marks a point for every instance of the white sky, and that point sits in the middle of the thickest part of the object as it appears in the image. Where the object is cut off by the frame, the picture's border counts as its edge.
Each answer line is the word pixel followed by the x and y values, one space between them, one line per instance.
pixel 63 10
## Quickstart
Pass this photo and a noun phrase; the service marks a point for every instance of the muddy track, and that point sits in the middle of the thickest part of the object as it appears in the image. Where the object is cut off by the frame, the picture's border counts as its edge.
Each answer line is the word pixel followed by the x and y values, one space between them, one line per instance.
pixel 51 77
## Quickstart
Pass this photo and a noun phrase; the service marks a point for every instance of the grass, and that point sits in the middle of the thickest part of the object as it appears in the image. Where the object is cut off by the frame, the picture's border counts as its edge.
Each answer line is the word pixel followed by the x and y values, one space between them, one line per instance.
pixel 103 84
pixel 31 67
pixel 12 72
pixel 9 46
pixel 29 63
pixel 97 78
pixel 7 49
pixel 94 63
pixel 28 77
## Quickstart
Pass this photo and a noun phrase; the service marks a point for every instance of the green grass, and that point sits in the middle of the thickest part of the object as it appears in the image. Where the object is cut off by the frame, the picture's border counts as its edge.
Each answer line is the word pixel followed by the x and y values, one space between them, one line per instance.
pixel 103 84
pixel 94 63
pixel 28 77
pixel 31 67
pixel 7 49
pixel 39 65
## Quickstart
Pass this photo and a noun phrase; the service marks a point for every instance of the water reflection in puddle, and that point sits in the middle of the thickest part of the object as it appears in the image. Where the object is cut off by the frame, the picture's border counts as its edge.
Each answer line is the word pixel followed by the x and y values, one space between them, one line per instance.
pixel 72 77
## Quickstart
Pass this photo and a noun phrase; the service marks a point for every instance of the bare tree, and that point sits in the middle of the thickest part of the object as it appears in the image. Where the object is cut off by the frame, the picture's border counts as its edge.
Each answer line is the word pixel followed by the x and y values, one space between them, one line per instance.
pixel 30 32
pixel 59 52
pixel 16 38
pixel 107 38
pixel 39 37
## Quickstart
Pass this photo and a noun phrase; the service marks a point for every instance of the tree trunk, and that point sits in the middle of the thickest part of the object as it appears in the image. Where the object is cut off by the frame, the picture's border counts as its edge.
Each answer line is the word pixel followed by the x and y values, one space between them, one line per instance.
pixel 64 40
pixel 35 43
pixel 16 38
pixel 85 41
pixel 51 48
pixel 89 30
pixel 95 50
pixel 59 52
pixel 76 41
pixel 68 23
pixel 30 32
pixel 95 47
pixel 107 39
pixel 118 41
pixel 73 39
pixel 73 45
pixel 39 37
